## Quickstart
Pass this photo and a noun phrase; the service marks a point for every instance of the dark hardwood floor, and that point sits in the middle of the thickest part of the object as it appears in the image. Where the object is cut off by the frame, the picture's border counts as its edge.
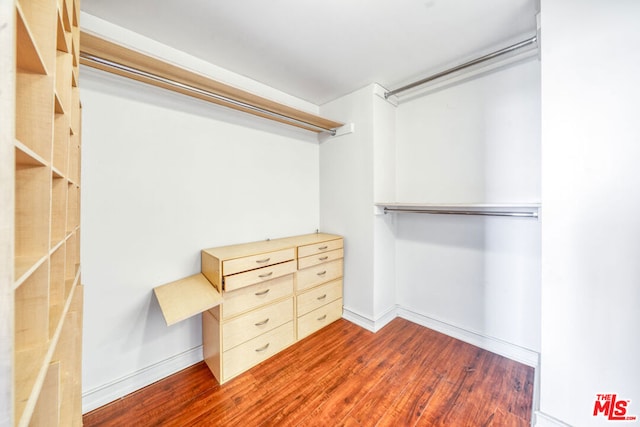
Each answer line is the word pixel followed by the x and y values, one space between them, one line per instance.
pixel 404 375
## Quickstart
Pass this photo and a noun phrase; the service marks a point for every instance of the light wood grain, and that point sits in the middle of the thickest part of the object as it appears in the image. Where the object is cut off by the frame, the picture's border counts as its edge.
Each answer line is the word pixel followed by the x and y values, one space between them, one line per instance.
pixel 47 411
pixel 40 17
pixel 256 300
pixel 319 318
pixel 61 137
pixel 311 239
pixel 313 276
pixel 250 297
pixel 102 48
pixel 28 57
pixel 45 380
pixel 319 247
pixel 252 262
pixel 31 214
pixel 248 354
pixel 211 345
pixel 211 267
pixel 56 288
pixel 58 209
pixel 186 297
pixel 318 296
pixel 256 322
pixel 242 250
pixel 252 277
pixel 310 261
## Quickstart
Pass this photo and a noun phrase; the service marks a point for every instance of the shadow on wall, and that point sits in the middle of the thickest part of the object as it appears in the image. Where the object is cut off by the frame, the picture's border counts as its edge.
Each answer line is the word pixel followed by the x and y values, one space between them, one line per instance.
pixel 130 89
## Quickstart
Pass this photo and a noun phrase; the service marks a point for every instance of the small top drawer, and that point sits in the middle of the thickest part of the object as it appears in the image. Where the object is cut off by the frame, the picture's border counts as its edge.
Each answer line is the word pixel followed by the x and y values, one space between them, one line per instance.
pixel 238 265
pixel 318 248
pixel 259 275
pixel 310 261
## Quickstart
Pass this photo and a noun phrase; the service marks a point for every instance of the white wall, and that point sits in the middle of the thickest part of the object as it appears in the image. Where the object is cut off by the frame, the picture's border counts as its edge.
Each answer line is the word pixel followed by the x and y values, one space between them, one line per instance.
pixel 475 141
pixel 346 195
pixel 164 176
pixel 384 189
pixel 590 181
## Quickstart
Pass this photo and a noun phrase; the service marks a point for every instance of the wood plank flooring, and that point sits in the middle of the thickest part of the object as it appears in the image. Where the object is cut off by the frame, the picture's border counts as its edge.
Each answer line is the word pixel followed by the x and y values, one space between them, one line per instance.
pixel 343 375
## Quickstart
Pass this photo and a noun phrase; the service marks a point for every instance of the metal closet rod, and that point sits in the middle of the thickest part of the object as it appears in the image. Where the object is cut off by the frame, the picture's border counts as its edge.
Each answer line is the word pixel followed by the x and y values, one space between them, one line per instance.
pixel 471 63
pixel 131 70
pixel 464 212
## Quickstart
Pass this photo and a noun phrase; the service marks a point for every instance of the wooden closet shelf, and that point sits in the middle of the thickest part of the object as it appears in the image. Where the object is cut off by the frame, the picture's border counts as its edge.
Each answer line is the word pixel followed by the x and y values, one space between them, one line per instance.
pixel 163 74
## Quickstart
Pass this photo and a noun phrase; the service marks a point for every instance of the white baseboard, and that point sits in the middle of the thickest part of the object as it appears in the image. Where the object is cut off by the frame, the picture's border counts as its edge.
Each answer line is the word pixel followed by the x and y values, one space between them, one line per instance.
pixel 365 322
pixel 386 317
pixel 494 345
pixel 106 393
pixel 358 319
pixel 544 420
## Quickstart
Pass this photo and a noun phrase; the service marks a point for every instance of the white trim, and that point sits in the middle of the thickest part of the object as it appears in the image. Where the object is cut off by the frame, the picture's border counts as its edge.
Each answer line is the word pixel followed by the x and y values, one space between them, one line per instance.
pixel 386 317
pixel 366 322
pixel 101 395
pixel 544 420
pixel 494 345
pixel 358 319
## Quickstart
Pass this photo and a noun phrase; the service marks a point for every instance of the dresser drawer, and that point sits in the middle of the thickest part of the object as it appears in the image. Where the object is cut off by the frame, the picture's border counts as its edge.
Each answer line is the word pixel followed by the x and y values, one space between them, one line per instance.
pixel 247 298
pixel 244 356
pixel 312 276
pixel 319 296
pixel 256 322
pixel 318 248
pixel 259 275
pixel 319 318
pixel 312 260
pixel 238 265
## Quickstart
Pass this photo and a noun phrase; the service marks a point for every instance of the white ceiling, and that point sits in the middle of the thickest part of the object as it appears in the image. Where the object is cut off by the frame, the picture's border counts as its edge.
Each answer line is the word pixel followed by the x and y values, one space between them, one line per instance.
pixel 319 50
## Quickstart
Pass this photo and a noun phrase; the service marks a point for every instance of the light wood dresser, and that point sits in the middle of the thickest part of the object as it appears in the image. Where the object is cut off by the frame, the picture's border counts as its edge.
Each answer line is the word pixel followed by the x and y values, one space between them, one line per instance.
pixel 266 296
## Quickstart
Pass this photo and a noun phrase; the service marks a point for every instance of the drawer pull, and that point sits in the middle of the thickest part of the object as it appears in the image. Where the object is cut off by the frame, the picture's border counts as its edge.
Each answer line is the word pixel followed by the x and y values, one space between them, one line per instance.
pixel 262 276
pixel 323 258
pixel 263 348
pixel 322 248
pixel 258 294
pixel 262 261
pixel 264 322
pixel 322 297
pixel 321 318
pixel 322 273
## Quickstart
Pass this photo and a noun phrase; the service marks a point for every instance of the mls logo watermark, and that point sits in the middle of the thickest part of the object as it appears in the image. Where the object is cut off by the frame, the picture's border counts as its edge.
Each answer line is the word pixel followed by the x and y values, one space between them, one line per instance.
pixel 612 408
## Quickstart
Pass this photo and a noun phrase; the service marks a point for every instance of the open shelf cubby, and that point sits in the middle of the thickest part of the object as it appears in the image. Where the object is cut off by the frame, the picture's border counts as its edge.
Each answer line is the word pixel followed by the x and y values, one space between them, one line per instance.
pixel 31 318
pixel 40 15
pixel 31 211
pixel 46 312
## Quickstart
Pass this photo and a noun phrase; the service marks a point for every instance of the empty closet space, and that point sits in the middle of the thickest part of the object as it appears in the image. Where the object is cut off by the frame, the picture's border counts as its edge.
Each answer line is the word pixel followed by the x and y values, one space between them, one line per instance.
pixel 473 141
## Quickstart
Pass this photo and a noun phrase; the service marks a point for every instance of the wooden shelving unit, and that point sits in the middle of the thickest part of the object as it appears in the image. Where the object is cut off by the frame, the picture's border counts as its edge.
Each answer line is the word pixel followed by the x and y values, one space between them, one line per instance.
pixel 41 222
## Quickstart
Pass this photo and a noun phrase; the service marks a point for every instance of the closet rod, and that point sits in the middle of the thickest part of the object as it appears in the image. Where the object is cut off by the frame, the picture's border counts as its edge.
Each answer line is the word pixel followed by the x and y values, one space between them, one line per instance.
pixel 464 212
pixel 290 120
pixel 473 62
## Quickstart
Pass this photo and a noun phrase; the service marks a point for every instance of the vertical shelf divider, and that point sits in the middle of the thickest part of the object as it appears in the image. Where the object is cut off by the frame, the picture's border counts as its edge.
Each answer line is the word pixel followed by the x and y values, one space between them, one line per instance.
pixel 45 299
